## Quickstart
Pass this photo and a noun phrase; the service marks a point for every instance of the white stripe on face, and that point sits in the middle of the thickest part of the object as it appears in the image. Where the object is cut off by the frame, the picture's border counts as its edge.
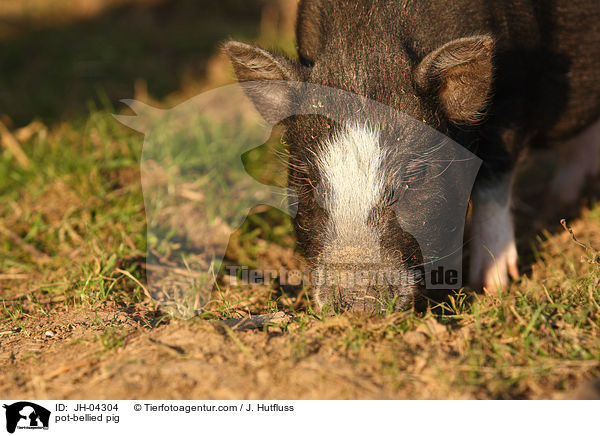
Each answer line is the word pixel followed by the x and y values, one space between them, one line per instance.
pixel 349 165
pixel 352 169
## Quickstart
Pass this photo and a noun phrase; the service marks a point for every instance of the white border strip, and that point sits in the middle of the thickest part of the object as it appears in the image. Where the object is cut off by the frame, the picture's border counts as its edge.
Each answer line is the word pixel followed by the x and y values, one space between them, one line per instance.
pixel 243 417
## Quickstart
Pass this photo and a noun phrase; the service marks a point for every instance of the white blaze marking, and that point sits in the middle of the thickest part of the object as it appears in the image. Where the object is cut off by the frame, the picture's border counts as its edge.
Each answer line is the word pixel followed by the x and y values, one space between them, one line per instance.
pixel 350 164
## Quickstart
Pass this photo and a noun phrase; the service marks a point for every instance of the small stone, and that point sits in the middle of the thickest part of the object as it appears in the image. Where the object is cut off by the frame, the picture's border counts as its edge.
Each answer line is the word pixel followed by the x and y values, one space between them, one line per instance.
pixel 49 334
pixel 415 338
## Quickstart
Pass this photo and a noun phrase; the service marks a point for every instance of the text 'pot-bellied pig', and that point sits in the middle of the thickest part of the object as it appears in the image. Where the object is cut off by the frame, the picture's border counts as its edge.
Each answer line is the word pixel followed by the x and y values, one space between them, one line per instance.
pixel 496 77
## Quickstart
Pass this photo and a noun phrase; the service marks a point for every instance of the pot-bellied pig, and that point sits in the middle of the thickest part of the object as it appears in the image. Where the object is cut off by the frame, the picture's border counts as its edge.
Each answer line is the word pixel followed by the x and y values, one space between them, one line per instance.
pixel 494 76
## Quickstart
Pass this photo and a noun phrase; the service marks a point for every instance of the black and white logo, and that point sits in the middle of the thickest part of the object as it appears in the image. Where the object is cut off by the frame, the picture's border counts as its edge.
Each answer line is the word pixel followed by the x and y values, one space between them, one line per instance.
pixel 24 415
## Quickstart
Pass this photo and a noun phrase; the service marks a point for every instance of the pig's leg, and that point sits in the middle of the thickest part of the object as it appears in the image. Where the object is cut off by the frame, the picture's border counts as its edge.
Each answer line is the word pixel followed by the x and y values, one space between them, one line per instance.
pixel 493 248
pixel 580 155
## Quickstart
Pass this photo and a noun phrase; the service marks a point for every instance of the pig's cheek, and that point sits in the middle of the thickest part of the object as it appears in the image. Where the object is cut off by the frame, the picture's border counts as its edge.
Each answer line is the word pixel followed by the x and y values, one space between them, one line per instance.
pixel 493 248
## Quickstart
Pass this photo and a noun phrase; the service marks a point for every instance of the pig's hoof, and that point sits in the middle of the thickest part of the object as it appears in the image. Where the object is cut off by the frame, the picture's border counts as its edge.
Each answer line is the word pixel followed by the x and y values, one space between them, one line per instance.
pixel 498 277
pixel 492 271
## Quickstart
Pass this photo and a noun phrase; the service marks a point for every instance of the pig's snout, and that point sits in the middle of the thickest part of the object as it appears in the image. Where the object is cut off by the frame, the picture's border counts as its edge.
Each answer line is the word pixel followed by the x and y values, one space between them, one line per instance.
pixel 364 286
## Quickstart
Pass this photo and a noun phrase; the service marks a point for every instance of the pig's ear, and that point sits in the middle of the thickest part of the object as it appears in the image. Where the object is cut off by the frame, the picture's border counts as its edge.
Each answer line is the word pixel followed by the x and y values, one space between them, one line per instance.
pixel 460 74
pixel 253 64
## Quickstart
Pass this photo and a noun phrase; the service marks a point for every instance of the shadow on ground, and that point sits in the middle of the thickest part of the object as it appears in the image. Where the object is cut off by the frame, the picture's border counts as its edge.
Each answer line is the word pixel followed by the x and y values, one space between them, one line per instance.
pixel 53 71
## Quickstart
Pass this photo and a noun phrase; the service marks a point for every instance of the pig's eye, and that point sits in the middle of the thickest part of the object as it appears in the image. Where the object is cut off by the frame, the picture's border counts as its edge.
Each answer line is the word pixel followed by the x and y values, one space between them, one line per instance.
pixel 393 194
pixel 415 174
pixel 412 178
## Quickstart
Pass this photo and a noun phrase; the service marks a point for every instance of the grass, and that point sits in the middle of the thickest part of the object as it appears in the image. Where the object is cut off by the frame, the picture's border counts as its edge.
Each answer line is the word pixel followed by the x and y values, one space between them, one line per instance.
pixel 73 239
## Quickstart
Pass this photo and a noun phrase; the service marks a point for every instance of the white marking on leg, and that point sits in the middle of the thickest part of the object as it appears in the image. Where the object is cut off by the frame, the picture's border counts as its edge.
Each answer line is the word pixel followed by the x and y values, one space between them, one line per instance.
pixel 493 248
pixel 581 155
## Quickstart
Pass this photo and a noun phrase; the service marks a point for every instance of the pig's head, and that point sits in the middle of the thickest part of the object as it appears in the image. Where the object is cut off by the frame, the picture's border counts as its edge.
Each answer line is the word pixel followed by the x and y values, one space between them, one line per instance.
pixel 362 181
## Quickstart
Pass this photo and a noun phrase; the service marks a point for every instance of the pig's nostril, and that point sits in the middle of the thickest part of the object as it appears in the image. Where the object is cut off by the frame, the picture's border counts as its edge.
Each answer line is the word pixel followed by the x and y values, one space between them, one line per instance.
pixel 370 299
pixel 369 287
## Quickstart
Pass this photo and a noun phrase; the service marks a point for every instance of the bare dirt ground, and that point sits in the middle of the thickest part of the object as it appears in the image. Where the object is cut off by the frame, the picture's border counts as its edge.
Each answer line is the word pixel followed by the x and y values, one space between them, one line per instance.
pixel 539 340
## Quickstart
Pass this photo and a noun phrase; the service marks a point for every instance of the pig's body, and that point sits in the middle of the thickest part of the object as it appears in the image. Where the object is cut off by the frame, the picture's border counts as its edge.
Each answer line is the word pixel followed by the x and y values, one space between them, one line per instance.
pixel 546 86
pixel 496 77
pixel 546 62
